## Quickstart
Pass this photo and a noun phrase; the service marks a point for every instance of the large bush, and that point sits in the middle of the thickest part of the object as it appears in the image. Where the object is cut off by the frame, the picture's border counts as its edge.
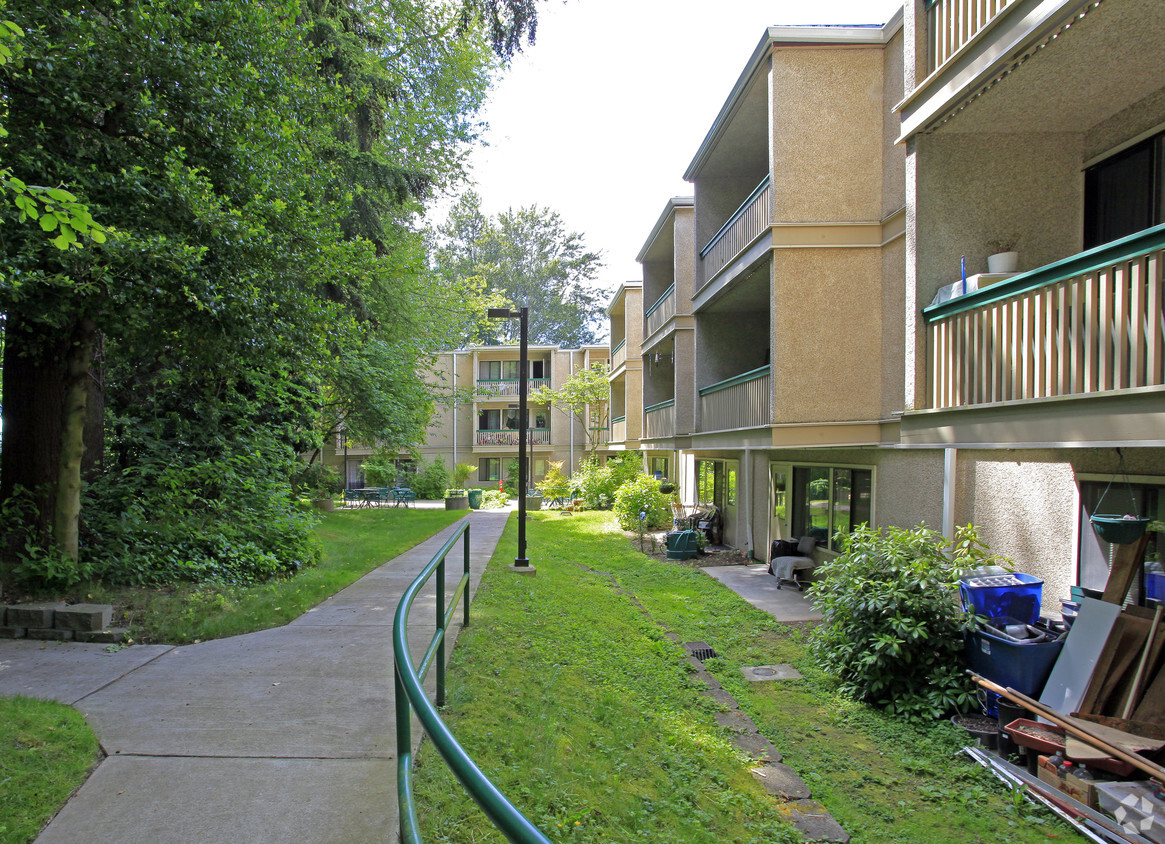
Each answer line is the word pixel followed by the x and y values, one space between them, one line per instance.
pixel 597 484
pixel 893 626
pixel 642 495
pixel 428 480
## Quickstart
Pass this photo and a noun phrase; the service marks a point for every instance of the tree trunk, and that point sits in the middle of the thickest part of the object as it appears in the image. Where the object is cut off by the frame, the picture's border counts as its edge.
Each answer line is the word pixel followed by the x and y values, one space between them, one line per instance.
pixel 67 510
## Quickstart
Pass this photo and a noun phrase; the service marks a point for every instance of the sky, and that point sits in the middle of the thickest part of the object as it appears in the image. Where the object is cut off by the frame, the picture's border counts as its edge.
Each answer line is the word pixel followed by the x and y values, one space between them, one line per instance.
pixel 601 117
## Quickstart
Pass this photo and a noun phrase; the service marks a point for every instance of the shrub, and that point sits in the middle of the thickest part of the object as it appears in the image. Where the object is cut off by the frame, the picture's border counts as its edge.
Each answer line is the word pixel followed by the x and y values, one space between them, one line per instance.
pixel 316 480
pixel 427 480
pixel 378 472
pixel 642 495
pixel 893 627
pixel 555 484
pixel 597 484
pixel 462 472
pixel 494 498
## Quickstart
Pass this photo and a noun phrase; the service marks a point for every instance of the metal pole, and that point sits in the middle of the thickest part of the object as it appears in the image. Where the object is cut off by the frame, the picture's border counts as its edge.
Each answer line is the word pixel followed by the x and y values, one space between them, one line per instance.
pixel 524 426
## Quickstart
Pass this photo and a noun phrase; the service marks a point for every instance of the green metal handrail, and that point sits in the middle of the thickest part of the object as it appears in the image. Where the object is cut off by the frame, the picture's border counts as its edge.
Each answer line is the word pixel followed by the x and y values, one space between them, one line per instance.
pixel 410 695
pixel 744 378
pixel 671 290
pixel 660 405
pixel 737 214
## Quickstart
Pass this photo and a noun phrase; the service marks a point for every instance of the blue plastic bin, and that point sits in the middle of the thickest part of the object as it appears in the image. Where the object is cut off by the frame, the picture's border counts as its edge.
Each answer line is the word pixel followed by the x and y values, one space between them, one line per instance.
pixel 1024 668
pixel 1015 595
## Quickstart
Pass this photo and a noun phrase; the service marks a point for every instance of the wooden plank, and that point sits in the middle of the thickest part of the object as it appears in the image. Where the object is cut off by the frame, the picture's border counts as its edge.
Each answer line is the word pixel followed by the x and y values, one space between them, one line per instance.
pixel 1126 565
pixel 1115 658
pixel 1151 709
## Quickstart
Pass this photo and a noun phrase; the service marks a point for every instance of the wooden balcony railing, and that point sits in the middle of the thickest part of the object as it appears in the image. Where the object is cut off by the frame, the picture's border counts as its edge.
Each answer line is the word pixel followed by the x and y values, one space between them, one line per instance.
pixel 540 436
pixel 619 355
pixel 1089 324
pixel 744 226
pixel 952 23
pixel 619 429
pixel 659 313
pixel 507 386
pixel 738 402
pixel 659 420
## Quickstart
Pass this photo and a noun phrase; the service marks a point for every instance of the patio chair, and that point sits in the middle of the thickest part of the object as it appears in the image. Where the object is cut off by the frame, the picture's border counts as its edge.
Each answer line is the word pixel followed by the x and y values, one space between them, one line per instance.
pixel 352 498
pixel 789 557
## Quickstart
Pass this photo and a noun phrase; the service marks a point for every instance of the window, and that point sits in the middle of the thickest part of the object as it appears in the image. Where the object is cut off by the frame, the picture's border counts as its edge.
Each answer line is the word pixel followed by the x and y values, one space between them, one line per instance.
pixel 489 469
pixel 829 502
pixel 538 369
pixel 1125 193
pixel 497 370
pixel 1095 555
pixel 497 420
pixel 709 481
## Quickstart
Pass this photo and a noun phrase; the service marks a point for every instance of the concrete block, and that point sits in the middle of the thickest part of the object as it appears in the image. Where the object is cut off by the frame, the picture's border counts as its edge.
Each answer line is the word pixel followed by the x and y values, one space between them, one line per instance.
pixel 111 635
pixel 87 617
pixel 50 634
pixel 32 615
pixel 736 721
pixel 12 632
pixel 781 781
pixel 757 747
pixel 814 822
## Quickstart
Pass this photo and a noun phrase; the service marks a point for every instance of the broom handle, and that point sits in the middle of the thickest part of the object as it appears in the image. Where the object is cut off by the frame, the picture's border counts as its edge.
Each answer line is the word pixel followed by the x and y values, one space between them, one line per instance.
pixel 1153 770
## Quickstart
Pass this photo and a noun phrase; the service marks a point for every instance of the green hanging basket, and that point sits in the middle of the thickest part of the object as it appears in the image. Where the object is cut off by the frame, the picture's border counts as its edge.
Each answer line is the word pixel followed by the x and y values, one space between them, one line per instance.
pixel 1119 530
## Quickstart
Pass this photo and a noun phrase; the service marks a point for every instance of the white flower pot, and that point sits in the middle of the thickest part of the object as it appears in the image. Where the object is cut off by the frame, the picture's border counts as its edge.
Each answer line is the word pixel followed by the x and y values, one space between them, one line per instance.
pixel 1002 262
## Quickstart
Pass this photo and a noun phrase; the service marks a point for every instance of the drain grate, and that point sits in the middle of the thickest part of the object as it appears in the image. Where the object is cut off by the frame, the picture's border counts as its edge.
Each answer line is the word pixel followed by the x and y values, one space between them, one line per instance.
pixel 700 650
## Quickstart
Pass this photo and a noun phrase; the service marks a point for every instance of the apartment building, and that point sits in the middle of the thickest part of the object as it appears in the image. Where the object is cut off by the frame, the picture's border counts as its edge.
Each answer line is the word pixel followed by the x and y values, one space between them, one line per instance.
pixel 478 422
pixel 626 372
pixel 822 344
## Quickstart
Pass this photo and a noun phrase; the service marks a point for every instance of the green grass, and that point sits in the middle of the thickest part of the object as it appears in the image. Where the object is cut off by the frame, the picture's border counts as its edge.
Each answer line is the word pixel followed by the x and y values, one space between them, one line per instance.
pixel 46 751
pixel 355 542
pixel 567 693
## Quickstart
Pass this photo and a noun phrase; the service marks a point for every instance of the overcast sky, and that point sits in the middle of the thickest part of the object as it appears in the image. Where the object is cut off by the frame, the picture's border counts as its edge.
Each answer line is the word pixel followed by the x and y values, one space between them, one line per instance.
pixel 601 117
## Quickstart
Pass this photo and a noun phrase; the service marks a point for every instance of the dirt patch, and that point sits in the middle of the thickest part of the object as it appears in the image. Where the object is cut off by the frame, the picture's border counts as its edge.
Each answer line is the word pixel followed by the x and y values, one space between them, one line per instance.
pixel 655 545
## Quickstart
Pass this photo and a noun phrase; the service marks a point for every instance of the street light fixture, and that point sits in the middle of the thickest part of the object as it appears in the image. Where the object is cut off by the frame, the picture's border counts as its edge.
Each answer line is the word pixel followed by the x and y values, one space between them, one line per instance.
pixel 521 563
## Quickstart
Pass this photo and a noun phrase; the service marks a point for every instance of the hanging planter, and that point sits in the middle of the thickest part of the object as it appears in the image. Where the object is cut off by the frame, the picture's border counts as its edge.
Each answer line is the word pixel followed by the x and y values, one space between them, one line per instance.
pixel 1119 530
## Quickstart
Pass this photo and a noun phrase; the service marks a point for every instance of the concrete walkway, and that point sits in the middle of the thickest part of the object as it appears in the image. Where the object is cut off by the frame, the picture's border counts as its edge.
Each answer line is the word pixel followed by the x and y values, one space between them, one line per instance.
pixel 281 735
pixel 759 588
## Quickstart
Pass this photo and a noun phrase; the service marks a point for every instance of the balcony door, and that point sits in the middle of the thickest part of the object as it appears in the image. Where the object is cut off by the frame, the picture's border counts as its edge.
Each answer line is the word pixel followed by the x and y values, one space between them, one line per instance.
pixel 1125 193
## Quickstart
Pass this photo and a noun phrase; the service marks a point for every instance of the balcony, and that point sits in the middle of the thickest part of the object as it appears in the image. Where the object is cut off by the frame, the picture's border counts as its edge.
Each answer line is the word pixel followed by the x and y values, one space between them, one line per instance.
pixel 659 420
pixel 747 223
pixel 619 355
pixel 604 436
pixel 1088 325
pixel 659 313
pixel 952 23
pixel 738 402
pixel 502 387
pixel 619 429
pixel 540 436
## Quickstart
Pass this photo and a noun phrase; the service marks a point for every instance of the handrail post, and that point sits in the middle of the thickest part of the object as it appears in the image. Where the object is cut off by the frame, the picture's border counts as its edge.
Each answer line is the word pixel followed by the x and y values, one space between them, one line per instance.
pixel 465 546
pixel 441 632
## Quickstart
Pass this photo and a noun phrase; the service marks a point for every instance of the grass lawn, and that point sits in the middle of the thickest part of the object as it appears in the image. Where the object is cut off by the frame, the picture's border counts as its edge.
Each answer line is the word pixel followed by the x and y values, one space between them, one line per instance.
pixel 568 694
pixel 46 751
pixel 355 542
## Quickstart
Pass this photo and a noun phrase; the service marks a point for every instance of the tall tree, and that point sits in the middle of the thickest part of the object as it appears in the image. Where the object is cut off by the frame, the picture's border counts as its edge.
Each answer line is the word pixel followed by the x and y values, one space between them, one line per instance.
pixel 527 258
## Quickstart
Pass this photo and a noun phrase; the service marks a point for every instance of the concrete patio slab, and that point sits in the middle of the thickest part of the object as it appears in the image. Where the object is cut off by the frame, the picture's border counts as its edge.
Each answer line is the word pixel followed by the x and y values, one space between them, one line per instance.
pixel 759 588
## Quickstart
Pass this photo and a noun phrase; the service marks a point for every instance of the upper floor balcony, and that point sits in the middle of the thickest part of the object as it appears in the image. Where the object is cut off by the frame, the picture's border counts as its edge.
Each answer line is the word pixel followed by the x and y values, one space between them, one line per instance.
pixel 739 402
pixel 741 230
pixel 618 429
pixel 655 317
pixel 1089 325
pixel 619 356
pixel 509 438
pixel 659 420
pixel 951 24
pixel 506 387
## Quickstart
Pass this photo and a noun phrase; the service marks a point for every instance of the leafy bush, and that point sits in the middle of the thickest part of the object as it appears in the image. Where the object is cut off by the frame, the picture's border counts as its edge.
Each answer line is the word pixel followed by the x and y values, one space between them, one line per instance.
pixel 462 472
pixel 597 484
pixel 555 484
pixel 428 480
pixel 493 498
pixel 378 471
pixel 316 479
pixel 893 626
pixel 642 495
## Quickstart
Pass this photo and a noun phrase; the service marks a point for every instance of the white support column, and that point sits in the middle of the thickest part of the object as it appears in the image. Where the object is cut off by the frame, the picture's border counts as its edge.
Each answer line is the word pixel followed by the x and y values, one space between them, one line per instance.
pixel 950 485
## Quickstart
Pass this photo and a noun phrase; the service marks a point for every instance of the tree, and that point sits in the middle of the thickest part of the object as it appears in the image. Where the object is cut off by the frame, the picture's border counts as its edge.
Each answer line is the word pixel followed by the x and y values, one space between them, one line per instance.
pixel 266 260
pixel 585 396
pixel 523 257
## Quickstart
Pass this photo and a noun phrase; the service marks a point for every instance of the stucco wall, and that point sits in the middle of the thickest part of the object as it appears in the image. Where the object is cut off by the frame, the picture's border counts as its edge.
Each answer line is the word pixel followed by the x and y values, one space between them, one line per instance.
pixel 893 154
pixel 893 328
pixel 827 133
pixel 827 329
pixel 973 188
pixel 720 352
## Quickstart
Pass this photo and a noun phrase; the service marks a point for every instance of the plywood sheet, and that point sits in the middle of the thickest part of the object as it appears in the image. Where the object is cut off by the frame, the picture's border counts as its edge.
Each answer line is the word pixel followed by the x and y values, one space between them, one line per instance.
pixel 1070 675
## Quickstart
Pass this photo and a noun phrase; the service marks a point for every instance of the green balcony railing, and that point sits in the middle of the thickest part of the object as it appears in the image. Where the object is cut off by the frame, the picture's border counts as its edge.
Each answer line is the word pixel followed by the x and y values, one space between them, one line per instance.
pixel 410 697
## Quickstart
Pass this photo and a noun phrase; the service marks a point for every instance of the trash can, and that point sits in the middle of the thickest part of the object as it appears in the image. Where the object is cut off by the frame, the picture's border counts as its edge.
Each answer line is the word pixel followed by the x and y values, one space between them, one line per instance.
pixel 682 545
pixel 475 499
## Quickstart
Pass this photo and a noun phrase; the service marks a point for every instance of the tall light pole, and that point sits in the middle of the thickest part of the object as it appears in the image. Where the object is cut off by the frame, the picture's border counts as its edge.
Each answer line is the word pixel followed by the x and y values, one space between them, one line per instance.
pixel 521 563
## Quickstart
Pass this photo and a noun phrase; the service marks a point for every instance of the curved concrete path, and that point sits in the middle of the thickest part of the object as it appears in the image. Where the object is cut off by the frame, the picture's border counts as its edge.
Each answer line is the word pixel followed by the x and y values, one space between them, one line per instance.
pixel 281 735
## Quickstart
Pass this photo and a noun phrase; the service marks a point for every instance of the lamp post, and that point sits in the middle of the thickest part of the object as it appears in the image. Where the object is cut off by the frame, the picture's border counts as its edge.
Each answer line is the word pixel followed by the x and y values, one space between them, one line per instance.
pixel 521 563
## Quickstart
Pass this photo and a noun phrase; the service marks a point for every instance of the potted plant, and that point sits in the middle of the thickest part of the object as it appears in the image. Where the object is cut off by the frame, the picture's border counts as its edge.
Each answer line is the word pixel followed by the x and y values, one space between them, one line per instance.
pixel 1001 254
pixel 456 499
